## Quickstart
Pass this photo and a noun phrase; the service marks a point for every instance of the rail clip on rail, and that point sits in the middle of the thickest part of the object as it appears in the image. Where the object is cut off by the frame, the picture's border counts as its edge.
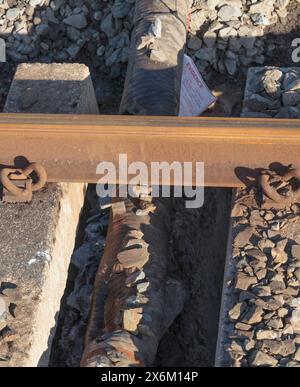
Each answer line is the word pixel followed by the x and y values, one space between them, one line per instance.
pixel 19 184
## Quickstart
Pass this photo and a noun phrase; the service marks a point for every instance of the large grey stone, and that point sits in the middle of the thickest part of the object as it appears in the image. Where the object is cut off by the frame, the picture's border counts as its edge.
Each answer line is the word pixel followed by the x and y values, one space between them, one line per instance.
pixel 77 21
pixel 229 12
pixel 12 13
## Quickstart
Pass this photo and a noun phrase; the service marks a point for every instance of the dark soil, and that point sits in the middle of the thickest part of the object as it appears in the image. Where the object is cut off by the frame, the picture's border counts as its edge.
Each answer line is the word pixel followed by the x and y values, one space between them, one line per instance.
pixel 199 246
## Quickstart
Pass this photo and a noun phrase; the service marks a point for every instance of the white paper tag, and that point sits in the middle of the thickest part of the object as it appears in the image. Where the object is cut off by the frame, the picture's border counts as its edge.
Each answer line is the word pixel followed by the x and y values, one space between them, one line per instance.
pixel 195 96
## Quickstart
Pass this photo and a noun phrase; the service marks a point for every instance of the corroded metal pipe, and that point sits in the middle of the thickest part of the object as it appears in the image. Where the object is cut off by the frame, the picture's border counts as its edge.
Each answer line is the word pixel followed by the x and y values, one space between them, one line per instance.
pixel 153 80
pixel 134 301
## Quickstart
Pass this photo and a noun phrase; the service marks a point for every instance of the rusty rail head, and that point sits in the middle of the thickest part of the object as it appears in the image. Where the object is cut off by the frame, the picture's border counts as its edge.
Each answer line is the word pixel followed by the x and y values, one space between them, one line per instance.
pixel 71 147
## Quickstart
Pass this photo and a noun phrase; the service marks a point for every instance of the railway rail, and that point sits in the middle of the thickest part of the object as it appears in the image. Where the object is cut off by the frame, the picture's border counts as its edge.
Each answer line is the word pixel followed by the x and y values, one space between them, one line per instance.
pixel 71 147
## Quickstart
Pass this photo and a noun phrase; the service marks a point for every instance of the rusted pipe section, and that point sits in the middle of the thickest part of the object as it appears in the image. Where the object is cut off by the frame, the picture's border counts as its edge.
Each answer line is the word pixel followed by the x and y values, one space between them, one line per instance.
pixel 134 301
pixel 158 40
